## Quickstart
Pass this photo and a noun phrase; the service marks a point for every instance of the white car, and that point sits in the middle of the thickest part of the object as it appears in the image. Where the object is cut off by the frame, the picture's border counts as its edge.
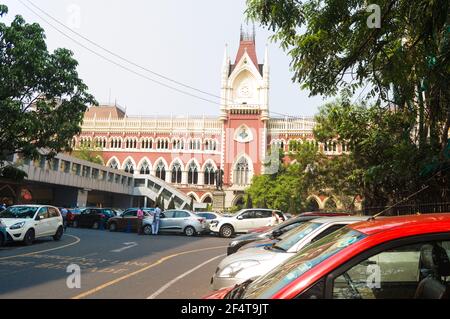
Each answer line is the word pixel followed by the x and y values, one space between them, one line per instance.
pixel 251 263
pixel 26 223
pixel 243 221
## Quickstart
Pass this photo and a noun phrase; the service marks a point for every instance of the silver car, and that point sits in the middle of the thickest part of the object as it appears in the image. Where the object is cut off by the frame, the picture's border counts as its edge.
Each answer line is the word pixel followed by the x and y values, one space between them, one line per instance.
pixel 178 221
pixel 209 216
pixel 254 262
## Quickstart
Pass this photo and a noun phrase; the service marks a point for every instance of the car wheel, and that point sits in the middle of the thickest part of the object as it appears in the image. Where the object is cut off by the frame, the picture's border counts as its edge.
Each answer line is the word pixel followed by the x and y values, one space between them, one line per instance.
pixel 226 231
pixel 59 234
pixel 75 224
pixel 96 225
pixel 29 237
pixel 148 230
pixel 113 227
pixel 189 231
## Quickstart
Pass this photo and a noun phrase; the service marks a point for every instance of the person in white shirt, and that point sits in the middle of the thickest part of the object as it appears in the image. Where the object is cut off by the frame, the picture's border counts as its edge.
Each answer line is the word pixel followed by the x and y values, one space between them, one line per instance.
pixel 275 219
pixel 156 220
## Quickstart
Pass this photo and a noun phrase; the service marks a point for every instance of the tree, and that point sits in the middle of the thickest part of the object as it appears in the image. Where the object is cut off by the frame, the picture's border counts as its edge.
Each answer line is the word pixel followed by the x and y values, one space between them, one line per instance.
pixel 42 99
pixel 404 64
pixel 191 206
pixel 88 154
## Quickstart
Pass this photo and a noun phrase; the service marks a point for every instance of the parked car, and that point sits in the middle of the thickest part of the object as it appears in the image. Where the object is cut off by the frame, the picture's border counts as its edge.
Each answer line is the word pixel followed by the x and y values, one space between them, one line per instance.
pixel 271 234
pixel 93 218
pixel 315 215
pixel 178 221
pixel 128 221
pixel 28 222
pixel 209 217
pixel 3 234
pixel 243 221
pixel 254 262
pixel 71 213
pixel 408 256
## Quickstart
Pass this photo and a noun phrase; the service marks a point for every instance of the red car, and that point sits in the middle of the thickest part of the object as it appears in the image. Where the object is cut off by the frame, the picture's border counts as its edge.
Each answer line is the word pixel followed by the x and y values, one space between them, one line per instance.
pixel 383 258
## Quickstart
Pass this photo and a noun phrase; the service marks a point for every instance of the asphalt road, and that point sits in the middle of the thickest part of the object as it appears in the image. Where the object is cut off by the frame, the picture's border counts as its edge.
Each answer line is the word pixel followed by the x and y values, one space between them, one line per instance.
pixel 113 265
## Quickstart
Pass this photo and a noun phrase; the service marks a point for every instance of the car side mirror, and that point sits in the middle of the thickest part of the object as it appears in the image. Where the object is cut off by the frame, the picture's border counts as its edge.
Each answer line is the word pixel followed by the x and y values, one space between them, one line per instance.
pixel 240 218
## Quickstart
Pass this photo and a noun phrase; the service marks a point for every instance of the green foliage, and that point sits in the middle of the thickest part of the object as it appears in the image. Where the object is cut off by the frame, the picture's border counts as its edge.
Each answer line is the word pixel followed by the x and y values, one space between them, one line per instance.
pixel 191 206
pixel 42 99
pixel 12 173
pixel 398 143
pixel 88 154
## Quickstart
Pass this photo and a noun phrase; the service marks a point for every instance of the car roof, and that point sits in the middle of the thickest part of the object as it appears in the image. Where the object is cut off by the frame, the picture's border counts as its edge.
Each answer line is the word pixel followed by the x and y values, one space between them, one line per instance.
pixel 420 223
pixel 34 206
pixel 340 219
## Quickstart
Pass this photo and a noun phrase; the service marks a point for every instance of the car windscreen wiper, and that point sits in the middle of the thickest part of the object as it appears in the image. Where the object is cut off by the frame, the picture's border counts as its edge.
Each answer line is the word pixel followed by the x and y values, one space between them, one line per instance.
pixel 278 248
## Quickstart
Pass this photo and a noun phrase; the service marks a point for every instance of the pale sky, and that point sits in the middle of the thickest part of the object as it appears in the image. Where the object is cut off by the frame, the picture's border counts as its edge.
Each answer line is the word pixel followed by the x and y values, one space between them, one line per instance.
pixel 181 39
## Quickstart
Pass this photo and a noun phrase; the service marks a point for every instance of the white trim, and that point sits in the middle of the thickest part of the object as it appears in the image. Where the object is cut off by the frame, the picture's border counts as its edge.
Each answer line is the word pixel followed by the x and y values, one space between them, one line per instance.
pixel 111 159
pixel 195 195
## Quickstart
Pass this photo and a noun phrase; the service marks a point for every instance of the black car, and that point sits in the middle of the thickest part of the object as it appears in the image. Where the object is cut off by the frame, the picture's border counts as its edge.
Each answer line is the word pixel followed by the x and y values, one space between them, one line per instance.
pixel 273 233
pixel 93 218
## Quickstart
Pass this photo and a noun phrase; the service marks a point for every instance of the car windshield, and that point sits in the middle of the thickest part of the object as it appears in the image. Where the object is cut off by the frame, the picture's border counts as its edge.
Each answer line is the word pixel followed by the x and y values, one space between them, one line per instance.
pixel 307 258
pixel 293 236
pixel 19 212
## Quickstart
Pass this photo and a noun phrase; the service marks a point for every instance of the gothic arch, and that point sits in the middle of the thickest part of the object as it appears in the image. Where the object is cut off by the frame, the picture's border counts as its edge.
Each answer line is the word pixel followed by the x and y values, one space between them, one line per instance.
pixel 176 160
pixel 209 161
pixel 242 179
pixel 145 159
pixel 205 196
pixel 194 195
pixel 110 161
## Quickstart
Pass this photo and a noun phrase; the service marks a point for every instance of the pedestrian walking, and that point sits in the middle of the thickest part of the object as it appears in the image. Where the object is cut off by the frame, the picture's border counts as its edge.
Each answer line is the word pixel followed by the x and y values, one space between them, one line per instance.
pixel 140 220
pixel 156 220
pixel 64 212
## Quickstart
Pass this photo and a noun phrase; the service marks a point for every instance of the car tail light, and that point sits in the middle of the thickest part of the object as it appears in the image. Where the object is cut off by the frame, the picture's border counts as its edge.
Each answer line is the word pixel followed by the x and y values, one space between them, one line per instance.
pixel 201 220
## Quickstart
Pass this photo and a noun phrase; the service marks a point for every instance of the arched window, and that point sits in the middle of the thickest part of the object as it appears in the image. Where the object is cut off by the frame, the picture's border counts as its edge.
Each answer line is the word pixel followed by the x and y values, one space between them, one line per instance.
pixel 129 167
pixel 145 168
pixel 161 170
pixel 207 200
pixel 114 164
pixel 330 205
pixel 176 173
pixel 241 173
pixel 312 205
pixel 193 174
pixel 210 175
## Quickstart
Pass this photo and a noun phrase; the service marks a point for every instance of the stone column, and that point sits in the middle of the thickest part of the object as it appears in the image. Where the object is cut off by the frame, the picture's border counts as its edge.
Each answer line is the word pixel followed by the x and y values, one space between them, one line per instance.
pixel 82 198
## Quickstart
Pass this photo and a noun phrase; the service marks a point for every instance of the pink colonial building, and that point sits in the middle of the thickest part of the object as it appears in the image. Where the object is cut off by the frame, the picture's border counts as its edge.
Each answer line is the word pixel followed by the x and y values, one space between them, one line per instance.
pixel 188 152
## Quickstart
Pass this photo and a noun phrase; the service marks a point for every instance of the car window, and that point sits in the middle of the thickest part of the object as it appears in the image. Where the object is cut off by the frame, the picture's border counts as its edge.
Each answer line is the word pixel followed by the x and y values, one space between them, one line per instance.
pixel 19 212
pixel 394 273
pixel 181 215
pixel 290 227
pixel 309 257
pixel 130 213
pixel 248 215
pixel 53 212
pixel 263 214
pixel 169 214
pixel 327 231
pixel 294 236
pixel 43 213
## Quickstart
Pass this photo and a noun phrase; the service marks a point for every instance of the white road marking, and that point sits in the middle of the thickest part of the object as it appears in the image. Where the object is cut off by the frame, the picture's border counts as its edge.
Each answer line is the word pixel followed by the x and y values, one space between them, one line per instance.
pixel 170 283
pixel 46 250
pixel 127 246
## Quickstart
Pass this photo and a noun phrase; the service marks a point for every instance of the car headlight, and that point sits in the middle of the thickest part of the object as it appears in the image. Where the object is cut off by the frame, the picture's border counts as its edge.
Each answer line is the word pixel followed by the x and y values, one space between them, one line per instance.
pixel 17 226
pixel 234 268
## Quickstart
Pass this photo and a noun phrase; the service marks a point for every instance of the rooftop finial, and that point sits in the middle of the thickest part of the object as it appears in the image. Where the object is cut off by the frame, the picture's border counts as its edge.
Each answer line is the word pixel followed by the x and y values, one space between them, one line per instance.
pixel 248 35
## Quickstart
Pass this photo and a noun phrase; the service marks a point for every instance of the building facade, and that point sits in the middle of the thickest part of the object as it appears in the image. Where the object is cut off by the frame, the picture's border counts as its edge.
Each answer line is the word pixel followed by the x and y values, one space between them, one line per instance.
pixel 189 152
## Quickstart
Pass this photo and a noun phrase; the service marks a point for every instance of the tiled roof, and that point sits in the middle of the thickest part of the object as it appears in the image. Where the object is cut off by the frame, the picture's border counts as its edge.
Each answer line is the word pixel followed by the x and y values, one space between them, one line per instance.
pixel 104 112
